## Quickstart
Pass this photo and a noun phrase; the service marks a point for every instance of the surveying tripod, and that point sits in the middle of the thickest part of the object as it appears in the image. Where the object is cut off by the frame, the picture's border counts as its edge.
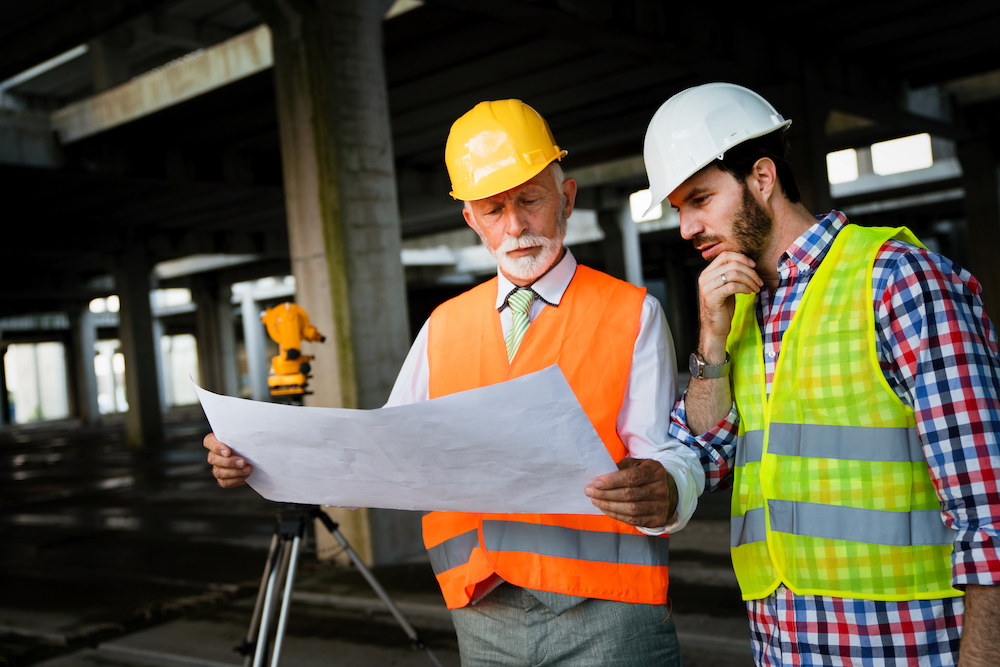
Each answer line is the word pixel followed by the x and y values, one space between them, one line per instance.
pixel 282 559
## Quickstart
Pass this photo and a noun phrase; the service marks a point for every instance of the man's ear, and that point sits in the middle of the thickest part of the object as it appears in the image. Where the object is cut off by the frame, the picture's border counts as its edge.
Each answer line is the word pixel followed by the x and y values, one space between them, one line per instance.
pixel 763 179
pixel 470 220
pixel 569 192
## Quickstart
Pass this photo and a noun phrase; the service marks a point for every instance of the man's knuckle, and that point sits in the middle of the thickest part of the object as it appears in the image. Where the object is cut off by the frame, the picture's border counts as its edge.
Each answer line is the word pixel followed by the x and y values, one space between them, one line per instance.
pixel 640 493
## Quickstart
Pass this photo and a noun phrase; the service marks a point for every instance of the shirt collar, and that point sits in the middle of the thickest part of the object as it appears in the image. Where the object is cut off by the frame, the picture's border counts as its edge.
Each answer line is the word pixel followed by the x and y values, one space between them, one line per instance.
pixel 550 287
pixel 807 251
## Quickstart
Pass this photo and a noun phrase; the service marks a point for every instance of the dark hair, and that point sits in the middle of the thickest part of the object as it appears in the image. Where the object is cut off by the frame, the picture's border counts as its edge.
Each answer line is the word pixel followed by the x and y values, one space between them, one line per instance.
pixel 740 159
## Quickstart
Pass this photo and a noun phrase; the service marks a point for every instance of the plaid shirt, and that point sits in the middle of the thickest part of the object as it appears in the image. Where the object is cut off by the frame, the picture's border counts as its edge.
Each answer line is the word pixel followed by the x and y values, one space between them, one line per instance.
pixel 938 351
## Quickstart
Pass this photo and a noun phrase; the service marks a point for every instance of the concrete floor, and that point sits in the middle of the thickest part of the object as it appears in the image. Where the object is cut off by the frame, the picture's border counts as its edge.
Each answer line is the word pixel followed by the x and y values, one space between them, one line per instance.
pixel 117 556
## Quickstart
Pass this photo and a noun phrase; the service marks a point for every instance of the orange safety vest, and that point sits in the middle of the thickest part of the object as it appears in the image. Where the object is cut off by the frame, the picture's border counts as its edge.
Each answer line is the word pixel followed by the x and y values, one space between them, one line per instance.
pixel 591 335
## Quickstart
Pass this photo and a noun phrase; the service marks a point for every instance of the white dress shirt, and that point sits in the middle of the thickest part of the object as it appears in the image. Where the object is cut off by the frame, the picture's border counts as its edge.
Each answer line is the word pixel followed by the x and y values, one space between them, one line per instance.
pixel 649 394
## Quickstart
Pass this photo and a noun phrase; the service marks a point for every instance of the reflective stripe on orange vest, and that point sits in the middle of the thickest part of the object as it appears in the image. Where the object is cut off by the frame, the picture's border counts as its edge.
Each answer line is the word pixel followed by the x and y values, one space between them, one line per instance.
pixel 453 552
pixel 561 542
pixel 554 541
pixel 584 555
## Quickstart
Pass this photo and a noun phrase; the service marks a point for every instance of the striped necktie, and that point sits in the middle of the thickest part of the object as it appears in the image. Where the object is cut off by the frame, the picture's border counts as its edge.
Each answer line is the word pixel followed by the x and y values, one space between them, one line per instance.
pixel 520 303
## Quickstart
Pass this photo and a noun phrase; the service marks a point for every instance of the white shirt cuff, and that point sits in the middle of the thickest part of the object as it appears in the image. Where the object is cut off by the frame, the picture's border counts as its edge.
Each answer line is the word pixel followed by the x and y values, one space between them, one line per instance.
pixel 685 467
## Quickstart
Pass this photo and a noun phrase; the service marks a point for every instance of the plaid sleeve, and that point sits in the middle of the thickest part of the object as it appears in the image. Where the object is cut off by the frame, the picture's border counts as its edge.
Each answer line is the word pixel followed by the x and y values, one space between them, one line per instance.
pixel 939 352
pixel 716 448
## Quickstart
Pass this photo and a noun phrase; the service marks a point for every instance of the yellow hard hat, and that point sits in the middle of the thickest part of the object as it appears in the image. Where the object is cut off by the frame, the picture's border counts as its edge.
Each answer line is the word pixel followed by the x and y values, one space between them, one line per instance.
pixel 497 146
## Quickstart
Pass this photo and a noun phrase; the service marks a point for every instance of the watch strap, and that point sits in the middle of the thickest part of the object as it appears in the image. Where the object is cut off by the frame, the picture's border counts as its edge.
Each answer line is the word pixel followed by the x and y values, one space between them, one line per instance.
pixel 708 371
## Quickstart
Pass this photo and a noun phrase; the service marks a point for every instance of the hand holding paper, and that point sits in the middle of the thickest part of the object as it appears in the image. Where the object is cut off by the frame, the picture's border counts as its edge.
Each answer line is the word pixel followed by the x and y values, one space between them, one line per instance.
pixel 229 468
pixel 522 446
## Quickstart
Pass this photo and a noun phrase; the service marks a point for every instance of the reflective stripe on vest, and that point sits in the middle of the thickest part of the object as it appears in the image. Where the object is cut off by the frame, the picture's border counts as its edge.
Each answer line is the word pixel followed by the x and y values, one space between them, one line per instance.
pixel 832 495
pixel 453 552
pixel 832 522
pixel 846 443
pixel 749 448
pixel 591 335
pixel 748 528
pixel 589 545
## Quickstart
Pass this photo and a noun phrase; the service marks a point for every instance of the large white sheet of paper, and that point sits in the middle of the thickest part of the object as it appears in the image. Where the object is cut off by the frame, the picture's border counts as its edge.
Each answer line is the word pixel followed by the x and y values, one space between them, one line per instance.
pixel 521 446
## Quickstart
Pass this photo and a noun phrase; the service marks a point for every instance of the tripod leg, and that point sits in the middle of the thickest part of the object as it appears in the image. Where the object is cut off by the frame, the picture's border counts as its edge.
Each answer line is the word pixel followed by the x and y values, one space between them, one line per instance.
pixel 266 611
pixel 407 628
pixel 286 601
pixel 258 605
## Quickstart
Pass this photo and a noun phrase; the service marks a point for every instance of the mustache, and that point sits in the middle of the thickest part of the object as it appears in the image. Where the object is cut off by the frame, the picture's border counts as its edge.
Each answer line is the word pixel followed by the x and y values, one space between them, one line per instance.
pixel 703 239
pixel 524 240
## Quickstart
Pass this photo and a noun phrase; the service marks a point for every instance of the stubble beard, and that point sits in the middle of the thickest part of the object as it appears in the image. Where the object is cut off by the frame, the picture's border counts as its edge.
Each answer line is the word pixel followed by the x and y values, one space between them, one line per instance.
pixel 751 227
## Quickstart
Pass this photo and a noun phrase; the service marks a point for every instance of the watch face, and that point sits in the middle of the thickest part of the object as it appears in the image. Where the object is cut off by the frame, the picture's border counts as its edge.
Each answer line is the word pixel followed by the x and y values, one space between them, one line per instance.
pixel 693 364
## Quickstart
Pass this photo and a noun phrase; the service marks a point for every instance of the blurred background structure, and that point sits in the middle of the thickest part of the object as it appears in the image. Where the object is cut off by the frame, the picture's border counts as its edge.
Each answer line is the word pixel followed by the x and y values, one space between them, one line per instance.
pixel 170 168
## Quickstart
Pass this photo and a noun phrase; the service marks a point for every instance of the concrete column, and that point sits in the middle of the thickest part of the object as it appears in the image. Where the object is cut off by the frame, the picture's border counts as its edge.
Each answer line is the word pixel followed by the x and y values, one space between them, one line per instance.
pixel 208 325
pixel 253 341
pixel 144 420
pixel 981 180
pixel 4 403
pixel 804 103
pixel 162 367
pixel 71 368
pixel 816 189
pixel 343 215
pixel 630 246
pixel 614 254
pixel 227 342
pixel 83 333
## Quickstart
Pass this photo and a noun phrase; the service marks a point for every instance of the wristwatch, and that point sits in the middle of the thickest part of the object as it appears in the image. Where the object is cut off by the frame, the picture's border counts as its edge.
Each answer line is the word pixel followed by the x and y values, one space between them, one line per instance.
pixel 701 370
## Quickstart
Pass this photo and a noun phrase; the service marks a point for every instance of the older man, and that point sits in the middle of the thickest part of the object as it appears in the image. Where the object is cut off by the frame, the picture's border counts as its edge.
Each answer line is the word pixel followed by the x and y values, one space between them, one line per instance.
pixel 551 589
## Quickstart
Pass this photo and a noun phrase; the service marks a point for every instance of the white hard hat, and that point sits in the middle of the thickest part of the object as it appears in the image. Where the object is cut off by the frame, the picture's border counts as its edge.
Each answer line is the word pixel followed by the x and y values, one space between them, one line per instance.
pixel 698 125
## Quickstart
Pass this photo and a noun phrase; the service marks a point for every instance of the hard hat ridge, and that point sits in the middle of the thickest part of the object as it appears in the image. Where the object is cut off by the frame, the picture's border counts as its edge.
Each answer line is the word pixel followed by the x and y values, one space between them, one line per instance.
pixel 497 146
pixel 697 126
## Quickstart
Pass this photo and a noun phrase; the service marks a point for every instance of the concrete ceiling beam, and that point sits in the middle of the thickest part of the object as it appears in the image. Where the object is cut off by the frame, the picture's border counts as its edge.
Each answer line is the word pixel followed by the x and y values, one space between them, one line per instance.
pixel 203 72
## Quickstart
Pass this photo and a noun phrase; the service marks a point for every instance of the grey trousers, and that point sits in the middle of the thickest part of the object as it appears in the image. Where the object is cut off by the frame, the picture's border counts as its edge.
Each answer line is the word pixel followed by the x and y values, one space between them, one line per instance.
pixel 510 626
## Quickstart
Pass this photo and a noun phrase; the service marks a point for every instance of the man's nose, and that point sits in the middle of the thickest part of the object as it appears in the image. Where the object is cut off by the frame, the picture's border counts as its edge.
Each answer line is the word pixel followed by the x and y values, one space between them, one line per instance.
pixel 514 221
pixel 690 226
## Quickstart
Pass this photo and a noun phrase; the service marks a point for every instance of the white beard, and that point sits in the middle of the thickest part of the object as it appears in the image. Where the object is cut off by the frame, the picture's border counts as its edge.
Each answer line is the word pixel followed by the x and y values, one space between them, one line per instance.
pixel 530 267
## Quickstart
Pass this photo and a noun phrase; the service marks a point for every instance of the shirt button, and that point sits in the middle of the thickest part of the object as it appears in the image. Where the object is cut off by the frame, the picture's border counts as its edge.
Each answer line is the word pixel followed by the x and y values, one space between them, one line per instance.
pixel 771 354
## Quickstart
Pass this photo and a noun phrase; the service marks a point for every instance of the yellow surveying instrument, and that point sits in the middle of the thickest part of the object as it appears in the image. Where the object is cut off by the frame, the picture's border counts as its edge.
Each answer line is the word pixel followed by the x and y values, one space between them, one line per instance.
pixel 288 325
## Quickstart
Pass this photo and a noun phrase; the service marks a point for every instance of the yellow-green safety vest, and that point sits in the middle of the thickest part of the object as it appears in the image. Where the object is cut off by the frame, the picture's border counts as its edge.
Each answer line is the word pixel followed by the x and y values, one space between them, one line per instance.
pixel 832 494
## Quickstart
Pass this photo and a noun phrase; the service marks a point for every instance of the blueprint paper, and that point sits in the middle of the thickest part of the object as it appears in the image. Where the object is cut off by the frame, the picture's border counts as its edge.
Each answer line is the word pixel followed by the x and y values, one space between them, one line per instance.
pixel 521 446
